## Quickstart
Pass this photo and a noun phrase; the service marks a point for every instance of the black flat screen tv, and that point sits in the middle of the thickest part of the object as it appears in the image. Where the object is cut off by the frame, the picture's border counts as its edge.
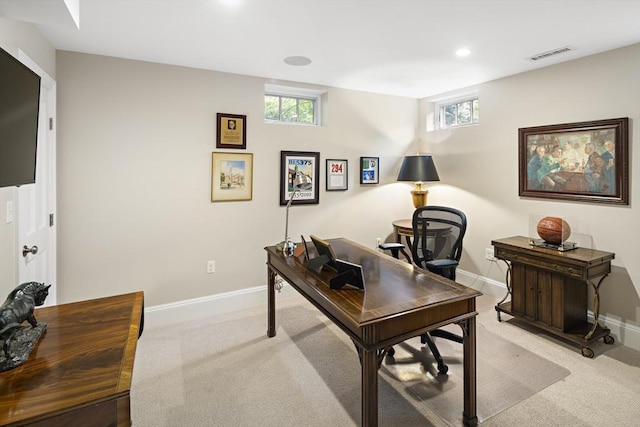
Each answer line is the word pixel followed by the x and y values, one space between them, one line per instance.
pixel 19 108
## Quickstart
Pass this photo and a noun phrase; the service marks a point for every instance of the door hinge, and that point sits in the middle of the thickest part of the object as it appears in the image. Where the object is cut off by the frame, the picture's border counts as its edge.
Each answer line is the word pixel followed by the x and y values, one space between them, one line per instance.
pixel 50 123
pixel 50 220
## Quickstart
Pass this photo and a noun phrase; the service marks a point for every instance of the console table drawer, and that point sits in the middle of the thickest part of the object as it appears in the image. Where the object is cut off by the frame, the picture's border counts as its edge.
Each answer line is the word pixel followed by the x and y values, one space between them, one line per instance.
pixel 567 269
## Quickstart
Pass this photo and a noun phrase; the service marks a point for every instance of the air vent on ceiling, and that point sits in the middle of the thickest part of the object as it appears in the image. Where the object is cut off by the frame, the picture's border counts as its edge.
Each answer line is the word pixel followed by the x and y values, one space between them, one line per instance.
pixel 553 52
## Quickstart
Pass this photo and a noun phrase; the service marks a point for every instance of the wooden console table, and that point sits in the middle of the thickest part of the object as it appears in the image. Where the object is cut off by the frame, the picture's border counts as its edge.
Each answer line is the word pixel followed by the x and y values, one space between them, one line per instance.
pixel 79 373
pixel 548 289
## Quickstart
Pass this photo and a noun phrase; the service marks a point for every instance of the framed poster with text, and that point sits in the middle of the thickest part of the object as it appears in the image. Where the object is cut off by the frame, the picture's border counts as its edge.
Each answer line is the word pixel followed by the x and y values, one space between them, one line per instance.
pixel 299 177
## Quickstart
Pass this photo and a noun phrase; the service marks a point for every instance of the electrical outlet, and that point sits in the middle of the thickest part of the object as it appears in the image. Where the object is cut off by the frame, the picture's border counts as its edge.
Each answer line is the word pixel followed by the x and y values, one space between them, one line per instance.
pixel 211 267
pixel 489 254
pixel 378 241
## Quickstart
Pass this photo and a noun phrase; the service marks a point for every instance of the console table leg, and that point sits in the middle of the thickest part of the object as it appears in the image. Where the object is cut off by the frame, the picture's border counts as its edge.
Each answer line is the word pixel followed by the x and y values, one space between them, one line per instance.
pixel 596 307
pixel 507 280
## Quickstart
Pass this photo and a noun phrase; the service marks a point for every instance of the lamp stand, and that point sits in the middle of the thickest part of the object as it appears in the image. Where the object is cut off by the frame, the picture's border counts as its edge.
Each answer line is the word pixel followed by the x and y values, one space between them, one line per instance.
pixel 287 247
pixel 419 195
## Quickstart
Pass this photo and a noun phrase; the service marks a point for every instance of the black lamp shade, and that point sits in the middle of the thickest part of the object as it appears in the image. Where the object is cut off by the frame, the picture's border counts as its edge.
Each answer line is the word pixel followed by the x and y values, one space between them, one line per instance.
pixel 418 169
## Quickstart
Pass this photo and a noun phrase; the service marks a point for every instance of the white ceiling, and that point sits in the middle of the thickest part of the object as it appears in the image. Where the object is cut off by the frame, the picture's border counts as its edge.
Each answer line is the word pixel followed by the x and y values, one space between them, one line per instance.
pixel 401 47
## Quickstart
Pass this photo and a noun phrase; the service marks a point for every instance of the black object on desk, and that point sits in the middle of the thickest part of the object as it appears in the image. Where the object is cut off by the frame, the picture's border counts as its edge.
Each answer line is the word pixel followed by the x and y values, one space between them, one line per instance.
pixel 348 274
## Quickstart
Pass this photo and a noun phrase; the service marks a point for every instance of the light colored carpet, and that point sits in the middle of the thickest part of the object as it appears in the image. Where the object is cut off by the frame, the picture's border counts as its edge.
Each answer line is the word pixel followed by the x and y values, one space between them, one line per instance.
pixel 224 371
pixel 506 374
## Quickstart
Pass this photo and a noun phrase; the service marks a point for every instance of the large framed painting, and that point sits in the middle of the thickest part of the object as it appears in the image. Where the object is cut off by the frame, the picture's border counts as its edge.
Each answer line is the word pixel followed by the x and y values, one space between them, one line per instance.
pixel 299 177
pixel 231 176
pixel 581 162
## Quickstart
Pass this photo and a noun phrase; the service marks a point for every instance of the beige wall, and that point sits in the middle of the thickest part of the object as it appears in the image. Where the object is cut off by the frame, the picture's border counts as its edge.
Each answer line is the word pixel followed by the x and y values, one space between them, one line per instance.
pixel 479 166
pixel 16 36
pixel 134 169
pixel 134 147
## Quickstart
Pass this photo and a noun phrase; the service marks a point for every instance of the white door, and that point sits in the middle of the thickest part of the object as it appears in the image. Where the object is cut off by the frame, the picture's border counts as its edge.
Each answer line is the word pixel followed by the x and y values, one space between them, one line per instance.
pixel 36 228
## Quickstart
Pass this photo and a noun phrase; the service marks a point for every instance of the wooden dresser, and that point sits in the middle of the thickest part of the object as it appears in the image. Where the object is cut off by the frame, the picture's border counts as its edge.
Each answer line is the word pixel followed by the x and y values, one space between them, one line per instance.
pixel 548 289
pixel 79 373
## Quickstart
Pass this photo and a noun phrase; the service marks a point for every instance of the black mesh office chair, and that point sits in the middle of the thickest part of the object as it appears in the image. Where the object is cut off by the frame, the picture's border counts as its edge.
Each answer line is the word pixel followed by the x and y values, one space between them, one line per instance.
pixel 437 246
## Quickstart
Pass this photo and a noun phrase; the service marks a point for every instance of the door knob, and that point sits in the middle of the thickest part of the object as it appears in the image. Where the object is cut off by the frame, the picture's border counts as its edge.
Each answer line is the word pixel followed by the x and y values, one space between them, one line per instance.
pixel 25 250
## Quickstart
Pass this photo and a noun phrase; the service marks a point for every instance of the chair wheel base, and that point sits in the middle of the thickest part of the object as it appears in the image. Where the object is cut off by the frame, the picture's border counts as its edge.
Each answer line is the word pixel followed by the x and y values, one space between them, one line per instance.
pixel 442 370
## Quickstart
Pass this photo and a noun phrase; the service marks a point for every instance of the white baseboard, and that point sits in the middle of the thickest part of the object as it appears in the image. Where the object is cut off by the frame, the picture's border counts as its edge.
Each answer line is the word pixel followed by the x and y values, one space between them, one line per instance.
pixel 193 309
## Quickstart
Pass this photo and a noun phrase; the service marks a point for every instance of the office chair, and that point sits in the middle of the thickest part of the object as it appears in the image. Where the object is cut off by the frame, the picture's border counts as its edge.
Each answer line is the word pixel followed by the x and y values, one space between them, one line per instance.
pixel 437 246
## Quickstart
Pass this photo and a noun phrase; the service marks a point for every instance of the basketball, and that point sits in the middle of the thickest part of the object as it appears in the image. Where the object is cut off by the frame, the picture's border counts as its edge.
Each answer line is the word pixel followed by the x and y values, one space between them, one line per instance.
pixel 553 230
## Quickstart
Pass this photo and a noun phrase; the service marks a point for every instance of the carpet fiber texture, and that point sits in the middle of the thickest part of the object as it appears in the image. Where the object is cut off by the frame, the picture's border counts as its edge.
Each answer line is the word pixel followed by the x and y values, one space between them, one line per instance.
pixel 224 371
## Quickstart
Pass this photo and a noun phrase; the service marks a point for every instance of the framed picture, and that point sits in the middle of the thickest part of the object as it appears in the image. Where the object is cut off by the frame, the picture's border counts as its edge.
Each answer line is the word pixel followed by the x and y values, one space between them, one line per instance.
pixel 369 170
pixel 337 175
pixel 581 162
pixel 231 176
pixel 231 131
pixel 299 177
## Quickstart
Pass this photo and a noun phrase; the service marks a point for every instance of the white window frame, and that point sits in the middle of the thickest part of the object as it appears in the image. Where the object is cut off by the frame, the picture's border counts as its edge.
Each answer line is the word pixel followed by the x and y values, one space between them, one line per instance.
pixel 297 92
pixel 441 103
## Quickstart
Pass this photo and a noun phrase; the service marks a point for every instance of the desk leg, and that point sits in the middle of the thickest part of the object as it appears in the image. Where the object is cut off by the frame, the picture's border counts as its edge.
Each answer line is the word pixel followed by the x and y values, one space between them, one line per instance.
pixel 271 303
pixel 369 371
pixel 469 416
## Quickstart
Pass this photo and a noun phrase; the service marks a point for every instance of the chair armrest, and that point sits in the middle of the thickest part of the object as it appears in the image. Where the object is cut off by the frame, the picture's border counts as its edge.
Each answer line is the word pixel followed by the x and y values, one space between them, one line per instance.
pixel 395 248
pixel 442 263
pixel 390 246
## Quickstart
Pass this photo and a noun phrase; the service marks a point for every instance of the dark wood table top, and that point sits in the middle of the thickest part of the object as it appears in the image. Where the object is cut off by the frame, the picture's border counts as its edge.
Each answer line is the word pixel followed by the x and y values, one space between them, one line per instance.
pixel 579 255
pixel 405 227
pixel 85 355
pixel 393 287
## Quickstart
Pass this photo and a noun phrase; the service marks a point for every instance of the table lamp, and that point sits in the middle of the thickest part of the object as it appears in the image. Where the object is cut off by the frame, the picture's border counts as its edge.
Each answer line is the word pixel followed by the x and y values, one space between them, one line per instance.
pixel 300 182
pixel 418 169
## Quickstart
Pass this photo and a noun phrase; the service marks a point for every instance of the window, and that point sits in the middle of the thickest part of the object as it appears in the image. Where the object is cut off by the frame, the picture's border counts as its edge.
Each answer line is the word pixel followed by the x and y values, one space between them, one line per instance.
pixel 459 113
pixel 292 105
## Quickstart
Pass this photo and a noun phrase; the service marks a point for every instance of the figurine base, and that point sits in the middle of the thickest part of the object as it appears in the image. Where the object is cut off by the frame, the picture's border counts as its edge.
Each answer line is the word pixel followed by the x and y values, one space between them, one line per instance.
pixel 22 344
pixel 562 247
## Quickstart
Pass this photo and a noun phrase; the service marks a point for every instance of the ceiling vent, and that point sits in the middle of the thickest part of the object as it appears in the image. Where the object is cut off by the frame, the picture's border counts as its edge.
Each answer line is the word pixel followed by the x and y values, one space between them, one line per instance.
pixel 553 52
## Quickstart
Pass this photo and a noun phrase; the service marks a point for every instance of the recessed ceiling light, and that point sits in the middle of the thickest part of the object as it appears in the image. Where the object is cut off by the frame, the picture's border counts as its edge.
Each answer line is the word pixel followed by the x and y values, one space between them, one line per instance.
pixel 463 52
pixel 297 60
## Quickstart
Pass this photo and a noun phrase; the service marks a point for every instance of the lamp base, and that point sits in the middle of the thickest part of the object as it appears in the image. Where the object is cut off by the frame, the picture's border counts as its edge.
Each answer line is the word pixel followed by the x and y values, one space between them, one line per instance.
pixel 419 196
pixel 287 247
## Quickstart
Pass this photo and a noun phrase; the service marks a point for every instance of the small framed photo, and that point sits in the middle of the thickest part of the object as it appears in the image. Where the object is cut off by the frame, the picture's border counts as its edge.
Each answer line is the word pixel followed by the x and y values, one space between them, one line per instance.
pixel 231 177
pixel 299 177
pixel 369 171
pixel 337 175
pixel 576 162
pixel 231 131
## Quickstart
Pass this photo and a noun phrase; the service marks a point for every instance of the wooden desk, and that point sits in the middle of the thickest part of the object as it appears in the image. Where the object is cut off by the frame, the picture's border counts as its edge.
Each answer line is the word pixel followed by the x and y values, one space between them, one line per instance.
pixel 401 301
pixel 79 373
pixel 548 289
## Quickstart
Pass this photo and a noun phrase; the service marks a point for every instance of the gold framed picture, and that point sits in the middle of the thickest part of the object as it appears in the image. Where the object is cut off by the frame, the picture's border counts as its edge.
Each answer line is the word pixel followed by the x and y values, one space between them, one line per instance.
pixel 231 131
pixel 231 177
